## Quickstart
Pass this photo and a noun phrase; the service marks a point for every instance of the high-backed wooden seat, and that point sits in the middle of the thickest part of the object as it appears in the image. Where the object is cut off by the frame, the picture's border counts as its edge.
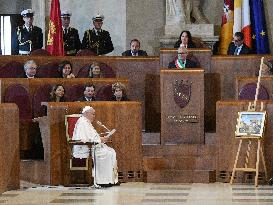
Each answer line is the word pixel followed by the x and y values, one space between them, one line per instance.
pixel 74 92
pixel 19 95
pixel 105 93
pixel 12 69
pixel 107 71
pixel 248 92
pixel 39 52
pixel 40 95
pixel 84 71
pixel 48 70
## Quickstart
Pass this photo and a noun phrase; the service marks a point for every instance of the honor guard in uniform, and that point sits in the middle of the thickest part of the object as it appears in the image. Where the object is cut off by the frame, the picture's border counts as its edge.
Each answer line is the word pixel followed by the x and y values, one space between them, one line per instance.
pixel 27 37
pixel 97 39
pixel 72 43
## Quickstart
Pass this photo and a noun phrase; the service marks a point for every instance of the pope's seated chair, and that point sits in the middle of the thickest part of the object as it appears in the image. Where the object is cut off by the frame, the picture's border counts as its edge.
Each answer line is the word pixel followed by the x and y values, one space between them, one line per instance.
pixel 75 163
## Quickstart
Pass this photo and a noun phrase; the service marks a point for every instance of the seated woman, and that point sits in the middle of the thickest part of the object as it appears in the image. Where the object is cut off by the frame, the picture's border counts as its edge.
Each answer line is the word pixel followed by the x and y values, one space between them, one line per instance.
pixel 267 69
pixel 185 40
pixel 182 61
pixel 119 92
pixel 95 71
pixel 65 70
pixel 57 93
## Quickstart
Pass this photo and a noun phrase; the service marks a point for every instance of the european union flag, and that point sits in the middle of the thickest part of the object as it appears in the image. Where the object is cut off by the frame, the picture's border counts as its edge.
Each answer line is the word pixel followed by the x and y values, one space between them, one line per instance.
pixel 258 24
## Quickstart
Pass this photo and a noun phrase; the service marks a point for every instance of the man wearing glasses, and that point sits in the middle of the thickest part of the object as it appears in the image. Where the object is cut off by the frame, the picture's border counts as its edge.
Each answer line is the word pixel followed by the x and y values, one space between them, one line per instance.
pixel 237 47
pixel 181 61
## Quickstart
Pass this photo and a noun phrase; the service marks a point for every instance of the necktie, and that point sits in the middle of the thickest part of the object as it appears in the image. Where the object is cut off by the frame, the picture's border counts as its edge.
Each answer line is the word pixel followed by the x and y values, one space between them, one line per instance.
pixel 236 51
pixel 65 31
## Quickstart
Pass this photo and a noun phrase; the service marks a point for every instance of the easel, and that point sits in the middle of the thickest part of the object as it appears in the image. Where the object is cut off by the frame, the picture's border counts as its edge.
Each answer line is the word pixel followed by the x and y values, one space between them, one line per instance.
pixel 259 151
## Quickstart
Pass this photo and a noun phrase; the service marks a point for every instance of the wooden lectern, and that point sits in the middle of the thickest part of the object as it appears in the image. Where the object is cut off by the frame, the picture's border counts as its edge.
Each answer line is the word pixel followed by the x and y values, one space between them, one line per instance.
pixel 182 106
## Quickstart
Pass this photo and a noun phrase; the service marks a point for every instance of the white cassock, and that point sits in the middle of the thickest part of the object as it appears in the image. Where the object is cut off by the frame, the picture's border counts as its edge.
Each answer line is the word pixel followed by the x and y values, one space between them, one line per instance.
pixel 105 157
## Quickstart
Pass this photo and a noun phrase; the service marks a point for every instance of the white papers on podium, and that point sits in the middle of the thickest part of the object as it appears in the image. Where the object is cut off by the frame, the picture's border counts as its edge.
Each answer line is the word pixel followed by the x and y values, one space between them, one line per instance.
pixel 110 133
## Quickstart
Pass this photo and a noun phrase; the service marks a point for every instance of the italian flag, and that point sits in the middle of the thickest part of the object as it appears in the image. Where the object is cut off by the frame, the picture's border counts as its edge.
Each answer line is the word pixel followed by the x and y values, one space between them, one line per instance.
pixel 242 20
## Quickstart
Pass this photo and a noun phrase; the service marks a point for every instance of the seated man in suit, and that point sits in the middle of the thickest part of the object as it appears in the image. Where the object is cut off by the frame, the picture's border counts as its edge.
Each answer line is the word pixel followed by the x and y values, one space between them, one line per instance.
pixel 181 61
pixel 30 68
pixel 88 93
pixel 237 47
pixel 135 49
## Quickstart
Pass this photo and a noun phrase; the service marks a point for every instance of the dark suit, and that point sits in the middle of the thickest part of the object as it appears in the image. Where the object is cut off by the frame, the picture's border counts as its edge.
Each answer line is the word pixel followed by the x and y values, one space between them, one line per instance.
pixel 189 64
pixel 123 98
pixel 129 53
pixel 103 39
pixel 25 76
pixel 231 49
pixel 83 99
pixel 72 43
pixel 22 37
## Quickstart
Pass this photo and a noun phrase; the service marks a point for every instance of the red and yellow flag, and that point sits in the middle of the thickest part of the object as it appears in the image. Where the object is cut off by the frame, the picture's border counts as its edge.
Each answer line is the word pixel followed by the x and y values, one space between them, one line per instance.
pixel 227 26
pixel 55 32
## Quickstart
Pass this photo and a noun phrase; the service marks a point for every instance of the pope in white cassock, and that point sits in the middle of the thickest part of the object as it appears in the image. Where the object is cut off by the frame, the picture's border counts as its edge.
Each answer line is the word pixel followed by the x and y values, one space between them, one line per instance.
pixel 105 157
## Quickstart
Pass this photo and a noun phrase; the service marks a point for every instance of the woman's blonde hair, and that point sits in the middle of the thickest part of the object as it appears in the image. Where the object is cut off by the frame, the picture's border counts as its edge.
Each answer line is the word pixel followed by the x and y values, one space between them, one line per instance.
pixel 120 86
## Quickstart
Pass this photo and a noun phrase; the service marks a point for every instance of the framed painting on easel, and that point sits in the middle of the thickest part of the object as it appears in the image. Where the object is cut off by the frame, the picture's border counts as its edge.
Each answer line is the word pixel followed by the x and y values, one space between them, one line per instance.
pixel 250 124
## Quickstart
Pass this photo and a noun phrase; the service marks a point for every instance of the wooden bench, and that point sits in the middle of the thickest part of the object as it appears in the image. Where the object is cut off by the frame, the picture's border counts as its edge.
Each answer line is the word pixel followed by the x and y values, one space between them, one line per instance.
pixel 126 141
pixel 140 71
pixel 9 147
pixel 226 120
pixel 266 82
pixel 30 104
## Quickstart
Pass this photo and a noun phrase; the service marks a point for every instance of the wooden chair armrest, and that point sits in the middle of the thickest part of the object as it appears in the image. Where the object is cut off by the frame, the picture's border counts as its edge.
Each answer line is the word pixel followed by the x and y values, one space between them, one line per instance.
pixel 77 142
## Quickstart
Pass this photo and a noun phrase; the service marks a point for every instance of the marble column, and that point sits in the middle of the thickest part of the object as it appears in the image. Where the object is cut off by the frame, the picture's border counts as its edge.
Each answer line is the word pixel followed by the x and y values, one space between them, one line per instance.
pixel 40 7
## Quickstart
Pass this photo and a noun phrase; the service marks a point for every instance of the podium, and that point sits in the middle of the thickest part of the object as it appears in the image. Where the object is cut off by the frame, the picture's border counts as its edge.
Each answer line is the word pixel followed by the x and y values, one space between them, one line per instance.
pixel 182 106
pixel 9 147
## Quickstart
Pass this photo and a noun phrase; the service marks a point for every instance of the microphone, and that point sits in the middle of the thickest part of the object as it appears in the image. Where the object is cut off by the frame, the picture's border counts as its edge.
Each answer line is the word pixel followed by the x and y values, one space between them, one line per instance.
pixel 102 125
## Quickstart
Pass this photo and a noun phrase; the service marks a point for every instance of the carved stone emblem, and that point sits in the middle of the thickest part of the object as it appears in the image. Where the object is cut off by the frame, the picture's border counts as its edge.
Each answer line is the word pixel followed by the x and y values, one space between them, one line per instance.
pixel 182 93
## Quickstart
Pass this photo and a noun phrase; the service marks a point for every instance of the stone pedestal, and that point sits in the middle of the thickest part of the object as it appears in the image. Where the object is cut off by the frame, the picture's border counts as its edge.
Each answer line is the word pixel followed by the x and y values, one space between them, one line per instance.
pixel 174 29
pixel 203 31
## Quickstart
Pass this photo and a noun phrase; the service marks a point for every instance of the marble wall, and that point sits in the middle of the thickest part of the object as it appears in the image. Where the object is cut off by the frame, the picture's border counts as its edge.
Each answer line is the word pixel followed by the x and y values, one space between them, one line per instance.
pixel 14 6
pixel 145 20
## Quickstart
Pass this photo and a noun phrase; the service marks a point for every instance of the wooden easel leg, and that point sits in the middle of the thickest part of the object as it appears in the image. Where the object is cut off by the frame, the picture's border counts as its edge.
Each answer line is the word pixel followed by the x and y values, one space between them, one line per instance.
pixel 264 165
pixel 257 162
pixel 247 153
pixel 235 163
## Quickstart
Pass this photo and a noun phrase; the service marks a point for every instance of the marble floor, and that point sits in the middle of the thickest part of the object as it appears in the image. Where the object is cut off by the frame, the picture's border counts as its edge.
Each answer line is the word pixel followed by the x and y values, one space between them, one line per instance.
pixel 142 194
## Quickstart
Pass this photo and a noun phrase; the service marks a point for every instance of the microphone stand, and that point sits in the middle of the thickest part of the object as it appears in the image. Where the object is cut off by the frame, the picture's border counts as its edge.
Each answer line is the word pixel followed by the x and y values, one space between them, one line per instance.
pixel 95 185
